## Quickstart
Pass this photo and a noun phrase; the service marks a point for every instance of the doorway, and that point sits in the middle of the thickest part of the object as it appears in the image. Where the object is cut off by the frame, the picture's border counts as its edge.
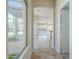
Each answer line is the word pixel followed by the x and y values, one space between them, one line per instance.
pixel 64 31
pixel 43 38
pixel 43 25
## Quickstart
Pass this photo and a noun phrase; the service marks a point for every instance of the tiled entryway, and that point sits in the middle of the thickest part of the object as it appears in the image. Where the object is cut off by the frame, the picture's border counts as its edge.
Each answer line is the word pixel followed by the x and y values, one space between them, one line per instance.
pixel 45 54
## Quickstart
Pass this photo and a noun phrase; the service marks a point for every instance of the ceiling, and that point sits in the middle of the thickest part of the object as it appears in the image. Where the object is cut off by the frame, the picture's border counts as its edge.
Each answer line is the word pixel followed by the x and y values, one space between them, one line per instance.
pixel 43 12
pixel 43 9
pixel 43 3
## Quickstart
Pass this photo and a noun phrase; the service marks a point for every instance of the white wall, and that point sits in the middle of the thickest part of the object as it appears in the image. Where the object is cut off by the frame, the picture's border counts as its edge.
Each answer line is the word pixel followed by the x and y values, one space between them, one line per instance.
pixel 58 6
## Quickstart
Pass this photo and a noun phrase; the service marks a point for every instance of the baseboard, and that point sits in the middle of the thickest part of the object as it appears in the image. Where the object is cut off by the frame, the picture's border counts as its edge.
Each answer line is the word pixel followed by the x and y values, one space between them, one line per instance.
pixel 57 50
pixel 27 53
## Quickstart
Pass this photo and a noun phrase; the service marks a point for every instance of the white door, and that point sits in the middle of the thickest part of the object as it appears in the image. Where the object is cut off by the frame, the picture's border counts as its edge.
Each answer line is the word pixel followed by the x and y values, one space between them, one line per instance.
pixel 65 30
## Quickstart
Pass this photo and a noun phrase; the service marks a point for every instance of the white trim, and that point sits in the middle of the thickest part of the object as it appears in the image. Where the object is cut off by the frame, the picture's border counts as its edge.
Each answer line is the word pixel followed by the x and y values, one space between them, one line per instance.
pixel 25 51
pixel 57 50
pixel 28 55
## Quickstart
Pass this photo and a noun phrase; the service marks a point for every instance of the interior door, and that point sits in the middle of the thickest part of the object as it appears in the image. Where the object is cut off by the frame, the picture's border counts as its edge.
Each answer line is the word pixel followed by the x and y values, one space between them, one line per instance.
pixel 64 31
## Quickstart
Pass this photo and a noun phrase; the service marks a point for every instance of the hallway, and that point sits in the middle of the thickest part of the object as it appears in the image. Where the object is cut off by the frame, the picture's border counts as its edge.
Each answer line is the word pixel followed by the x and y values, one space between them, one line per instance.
pixel 38 29
pixel 45 54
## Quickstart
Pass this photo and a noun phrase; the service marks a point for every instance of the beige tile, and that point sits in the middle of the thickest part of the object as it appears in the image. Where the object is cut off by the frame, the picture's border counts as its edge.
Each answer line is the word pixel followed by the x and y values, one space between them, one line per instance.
pixel 45 54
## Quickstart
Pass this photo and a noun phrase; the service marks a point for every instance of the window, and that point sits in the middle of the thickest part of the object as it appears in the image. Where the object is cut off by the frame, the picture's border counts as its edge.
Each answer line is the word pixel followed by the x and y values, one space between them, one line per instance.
pixel 16 28
pixel 11 27
pixel 43 30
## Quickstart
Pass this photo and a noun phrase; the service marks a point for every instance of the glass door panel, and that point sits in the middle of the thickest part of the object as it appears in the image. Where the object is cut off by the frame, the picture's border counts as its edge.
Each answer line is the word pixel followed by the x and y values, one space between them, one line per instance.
pixel 16 28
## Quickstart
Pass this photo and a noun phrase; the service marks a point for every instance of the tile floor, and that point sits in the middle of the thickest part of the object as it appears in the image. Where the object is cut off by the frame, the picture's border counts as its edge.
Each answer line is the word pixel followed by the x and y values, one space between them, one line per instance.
pixel 45 54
